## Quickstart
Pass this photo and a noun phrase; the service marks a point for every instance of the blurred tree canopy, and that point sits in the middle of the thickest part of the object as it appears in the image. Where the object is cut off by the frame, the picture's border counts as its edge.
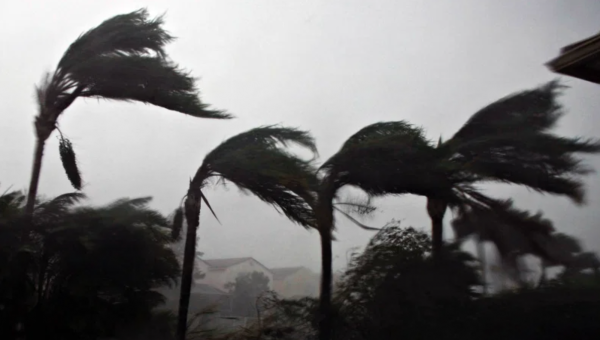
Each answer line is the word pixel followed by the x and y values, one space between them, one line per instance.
pixel 92 270
pixel 245 291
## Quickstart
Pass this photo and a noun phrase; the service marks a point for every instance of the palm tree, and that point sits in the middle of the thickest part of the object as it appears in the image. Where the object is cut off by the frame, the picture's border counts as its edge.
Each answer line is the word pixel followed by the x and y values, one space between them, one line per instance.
pixel 509 141
pixel 255 162
pixel 513 232
pixel 516 233
pixel 368 161
pixel 121 59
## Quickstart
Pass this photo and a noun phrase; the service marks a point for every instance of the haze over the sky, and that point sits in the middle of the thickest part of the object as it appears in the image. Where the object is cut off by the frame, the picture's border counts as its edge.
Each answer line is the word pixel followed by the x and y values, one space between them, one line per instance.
pixel 331 67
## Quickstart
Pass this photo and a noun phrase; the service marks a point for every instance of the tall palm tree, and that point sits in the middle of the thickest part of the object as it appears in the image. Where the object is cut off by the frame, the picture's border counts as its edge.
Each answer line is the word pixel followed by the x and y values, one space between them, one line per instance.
pixel 368 161
pixel 255 161
pixel 121 59
pixel 516 233
pixel 509 141
pixel 513 232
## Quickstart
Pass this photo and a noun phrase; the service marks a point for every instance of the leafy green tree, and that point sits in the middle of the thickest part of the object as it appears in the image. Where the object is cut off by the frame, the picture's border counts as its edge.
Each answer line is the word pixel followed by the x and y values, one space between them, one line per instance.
pixel 121 59
pixel 255 162
pixel 91 271
pixel 245 292
pixel 396 280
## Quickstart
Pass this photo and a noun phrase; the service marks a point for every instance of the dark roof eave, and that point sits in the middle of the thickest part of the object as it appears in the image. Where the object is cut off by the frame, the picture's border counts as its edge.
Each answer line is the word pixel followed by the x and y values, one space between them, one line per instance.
pixel 575 58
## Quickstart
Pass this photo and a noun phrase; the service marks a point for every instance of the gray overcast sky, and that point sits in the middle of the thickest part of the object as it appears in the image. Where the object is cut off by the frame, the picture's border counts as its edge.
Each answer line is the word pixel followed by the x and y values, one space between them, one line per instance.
pixel 328 66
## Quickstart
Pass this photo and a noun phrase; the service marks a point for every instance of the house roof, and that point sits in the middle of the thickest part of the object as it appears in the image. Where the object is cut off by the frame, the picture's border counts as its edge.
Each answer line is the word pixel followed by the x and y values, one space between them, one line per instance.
pixel 221 264
pixel 204 289
pixel 580 60
pixel 224 263
pixel 282 273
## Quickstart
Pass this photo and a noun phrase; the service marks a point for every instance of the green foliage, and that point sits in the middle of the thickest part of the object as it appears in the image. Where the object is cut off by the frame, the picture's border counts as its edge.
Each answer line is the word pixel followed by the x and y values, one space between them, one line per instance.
pixel 255 163
pixel 395 279
pixel 245 292
pixel 511 141
pixel 516 233
pixel 114 60
pixel 91 271
pixel 121 59
pixel 395 158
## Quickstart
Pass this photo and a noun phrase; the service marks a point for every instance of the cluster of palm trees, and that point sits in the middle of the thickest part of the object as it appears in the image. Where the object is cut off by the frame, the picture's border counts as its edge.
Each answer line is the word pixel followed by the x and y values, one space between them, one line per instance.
pixel 509 141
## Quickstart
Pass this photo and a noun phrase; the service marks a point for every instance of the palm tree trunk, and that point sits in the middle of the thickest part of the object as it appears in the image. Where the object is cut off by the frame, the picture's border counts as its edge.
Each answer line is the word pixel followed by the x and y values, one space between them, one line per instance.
pixel 324 215
pixel 482 260
pixel 35 175
pixel 192 214
pixel 436 209
pixel 325 322
pixel 543 276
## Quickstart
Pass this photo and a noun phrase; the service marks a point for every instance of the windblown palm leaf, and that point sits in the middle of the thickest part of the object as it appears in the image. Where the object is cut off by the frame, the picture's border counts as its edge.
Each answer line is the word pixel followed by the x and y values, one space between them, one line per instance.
pixel 255 163
pixel 510 141
pixel 384 158
pixel 115 61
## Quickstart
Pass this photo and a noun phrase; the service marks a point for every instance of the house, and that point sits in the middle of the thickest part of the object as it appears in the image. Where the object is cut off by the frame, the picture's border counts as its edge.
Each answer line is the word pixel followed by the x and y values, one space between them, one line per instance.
pixel 291 282
pixel 218 272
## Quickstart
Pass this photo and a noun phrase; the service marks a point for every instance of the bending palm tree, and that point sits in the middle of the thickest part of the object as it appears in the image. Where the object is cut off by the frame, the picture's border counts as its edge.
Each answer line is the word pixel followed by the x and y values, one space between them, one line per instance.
pixel 121 59
pixel 516 233
pixel 508 141
pixel 255 162
pixel 367 160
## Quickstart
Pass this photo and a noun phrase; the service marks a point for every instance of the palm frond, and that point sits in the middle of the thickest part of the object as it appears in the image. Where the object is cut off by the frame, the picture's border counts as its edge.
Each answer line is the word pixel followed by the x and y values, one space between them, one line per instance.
pixel 146 79
pixel 256 162
pixel 273 176
pixel 354 220
pixel 132 33
pixel 513 232
pixel 401 131
pixel 543 162
pixel 381 162
pixel 122 59
pixel 533 110
pixel 134 211
pixel 69 162
pixel 356 205
pixel 263 137
pixel 203 196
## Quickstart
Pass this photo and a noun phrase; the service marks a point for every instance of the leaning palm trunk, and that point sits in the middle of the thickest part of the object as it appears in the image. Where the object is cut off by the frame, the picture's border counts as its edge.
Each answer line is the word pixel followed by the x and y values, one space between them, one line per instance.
pixel 35 174
pixel 483 262
pixel 192 214
pixel 436 208
pixel 324 214
pixel 325 318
